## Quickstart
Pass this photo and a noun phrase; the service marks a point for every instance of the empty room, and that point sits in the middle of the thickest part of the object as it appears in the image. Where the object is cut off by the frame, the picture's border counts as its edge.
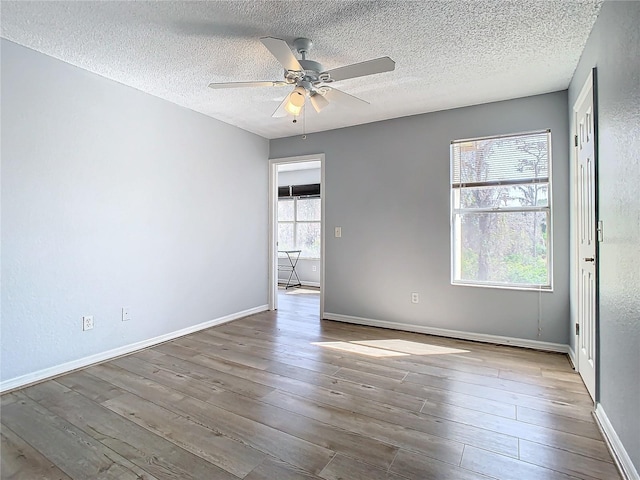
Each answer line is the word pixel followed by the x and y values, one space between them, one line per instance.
pixel 356 240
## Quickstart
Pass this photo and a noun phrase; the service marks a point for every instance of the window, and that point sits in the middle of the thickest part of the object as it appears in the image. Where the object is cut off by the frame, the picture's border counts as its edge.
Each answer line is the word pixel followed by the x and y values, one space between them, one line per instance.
pixel 299 225
pixel 501 211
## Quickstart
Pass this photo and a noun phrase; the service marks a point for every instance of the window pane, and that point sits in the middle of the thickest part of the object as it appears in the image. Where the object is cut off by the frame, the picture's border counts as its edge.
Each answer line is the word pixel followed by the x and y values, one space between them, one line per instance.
pixel 309 209
pixel 285 210
pixel 285 236
pixel 527 195
pixel 308 236
pixel 501 159
pixel 502 248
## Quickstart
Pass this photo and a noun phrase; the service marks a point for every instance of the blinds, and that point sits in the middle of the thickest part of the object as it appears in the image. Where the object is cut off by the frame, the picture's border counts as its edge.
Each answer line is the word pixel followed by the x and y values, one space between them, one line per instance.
pixel 309 190
pixel 504 160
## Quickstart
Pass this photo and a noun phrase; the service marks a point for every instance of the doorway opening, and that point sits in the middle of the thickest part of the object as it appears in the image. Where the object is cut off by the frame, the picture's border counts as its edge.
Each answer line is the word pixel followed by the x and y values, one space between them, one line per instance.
pixel 296 232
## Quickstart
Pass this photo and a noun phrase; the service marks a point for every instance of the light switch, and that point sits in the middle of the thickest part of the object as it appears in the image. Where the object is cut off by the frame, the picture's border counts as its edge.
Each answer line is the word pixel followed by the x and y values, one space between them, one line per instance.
pixel 338 232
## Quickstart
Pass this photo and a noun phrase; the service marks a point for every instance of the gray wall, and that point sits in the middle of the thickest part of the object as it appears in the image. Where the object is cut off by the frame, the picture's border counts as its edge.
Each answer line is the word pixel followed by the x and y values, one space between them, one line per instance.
pixel 613 48
pixel 112 198
pixel 387 186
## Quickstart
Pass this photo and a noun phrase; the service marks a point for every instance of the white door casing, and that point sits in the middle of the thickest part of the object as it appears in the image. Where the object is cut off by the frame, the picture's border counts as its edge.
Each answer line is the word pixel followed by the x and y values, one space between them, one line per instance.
pixel 586 235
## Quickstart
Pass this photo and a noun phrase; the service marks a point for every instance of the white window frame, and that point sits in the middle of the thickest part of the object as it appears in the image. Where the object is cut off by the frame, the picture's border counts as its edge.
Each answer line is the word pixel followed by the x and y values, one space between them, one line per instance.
pixel 295 223
pixel 456 241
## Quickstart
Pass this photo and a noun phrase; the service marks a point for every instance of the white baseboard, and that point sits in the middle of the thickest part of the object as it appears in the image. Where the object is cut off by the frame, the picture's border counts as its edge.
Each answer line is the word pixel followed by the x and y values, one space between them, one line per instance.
pixel 620 455
pixel 67 367
pixel 572 358
pixel 442 332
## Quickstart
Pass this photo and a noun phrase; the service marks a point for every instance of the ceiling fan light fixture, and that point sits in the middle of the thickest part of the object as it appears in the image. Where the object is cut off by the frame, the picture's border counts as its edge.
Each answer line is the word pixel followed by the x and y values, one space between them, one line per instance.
pixel 296 101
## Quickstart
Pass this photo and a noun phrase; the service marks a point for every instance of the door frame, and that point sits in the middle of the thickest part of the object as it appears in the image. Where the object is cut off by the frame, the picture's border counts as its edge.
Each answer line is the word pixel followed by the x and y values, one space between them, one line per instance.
pixel 589 83
pixel 273 224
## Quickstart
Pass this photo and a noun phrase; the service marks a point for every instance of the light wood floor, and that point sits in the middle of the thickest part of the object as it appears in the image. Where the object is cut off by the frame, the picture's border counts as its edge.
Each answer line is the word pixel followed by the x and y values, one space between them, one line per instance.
pixel 258 399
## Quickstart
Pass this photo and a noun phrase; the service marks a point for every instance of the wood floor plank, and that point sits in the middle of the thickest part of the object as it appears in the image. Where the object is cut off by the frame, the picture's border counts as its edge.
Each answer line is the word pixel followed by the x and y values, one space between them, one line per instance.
pixel 553 394
pixel 505 407
pixel 438 427
pixel 545 378
pixel 20 461
pixel 73 451
pixel 563 375
pixel 204 374
pixel 435 396
pixel 90 386
pixel 288 448
pixel 225 353
pixel 581 428
pixel 501 467
pixel 342 468
pixel 570 463
pixel 256 355
pixel 580 409
pixel 189 380
pixel 228 454
pixel 419 467
pixel 271 469
pixel 172 348
pixel 437 447
pixel 132 383
pixel 356 388
pixel 142 447
pixel 328 436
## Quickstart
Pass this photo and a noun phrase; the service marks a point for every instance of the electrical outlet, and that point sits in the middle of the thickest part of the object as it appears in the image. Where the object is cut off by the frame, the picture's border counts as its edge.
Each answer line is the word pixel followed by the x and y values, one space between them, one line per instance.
pixel 415 298
pixel 314 268
pixel 87 322
pixel 126 314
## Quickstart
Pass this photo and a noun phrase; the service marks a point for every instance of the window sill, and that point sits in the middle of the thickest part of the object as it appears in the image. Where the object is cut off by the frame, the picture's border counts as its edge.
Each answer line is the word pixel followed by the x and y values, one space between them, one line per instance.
pixel 524 288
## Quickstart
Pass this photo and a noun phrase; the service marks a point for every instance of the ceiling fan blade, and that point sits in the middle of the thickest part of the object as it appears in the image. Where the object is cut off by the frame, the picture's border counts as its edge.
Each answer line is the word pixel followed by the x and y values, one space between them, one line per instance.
pixel 281 50
pixel 280 111
pixel 338 96
pixel 378 65
pixel 318 102
pixel 274 83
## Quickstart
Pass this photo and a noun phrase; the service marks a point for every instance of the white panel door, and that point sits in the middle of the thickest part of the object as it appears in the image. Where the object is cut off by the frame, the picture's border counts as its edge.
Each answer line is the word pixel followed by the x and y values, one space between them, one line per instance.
pixel 586 236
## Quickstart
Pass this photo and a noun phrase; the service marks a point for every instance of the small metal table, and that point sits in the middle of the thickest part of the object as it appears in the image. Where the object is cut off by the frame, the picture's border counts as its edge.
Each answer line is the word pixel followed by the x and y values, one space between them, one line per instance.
pixel 293 256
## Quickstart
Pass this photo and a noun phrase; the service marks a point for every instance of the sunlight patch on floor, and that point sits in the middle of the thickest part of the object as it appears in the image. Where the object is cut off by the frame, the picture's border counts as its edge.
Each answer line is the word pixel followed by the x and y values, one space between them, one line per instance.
pixel 412 348
pixel 361 349
pixel 389 348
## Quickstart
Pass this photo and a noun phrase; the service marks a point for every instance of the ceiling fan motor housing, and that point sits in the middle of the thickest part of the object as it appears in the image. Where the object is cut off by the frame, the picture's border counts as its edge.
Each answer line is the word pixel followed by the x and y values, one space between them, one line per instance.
pixel 311 70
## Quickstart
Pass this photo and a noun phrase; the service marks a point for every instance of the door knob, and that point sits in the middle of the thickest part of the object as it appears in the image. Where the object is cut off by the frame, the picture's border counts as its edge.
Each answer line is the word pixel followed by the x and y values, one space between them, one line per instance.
pixel 589 259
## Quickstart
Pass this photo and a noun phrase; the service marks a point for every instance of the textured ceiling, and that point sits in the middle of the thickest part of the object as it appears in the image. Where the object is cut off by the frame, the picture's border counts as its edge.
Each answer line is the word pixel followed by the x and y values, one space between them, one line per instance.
pixel 448 53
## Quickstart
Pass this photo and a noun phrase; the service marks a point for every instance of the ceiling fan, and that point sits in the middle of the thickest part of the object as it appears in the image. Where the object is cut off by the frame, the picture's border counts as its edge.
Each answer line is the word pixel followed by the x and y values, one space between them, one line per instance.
pixel 309 78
